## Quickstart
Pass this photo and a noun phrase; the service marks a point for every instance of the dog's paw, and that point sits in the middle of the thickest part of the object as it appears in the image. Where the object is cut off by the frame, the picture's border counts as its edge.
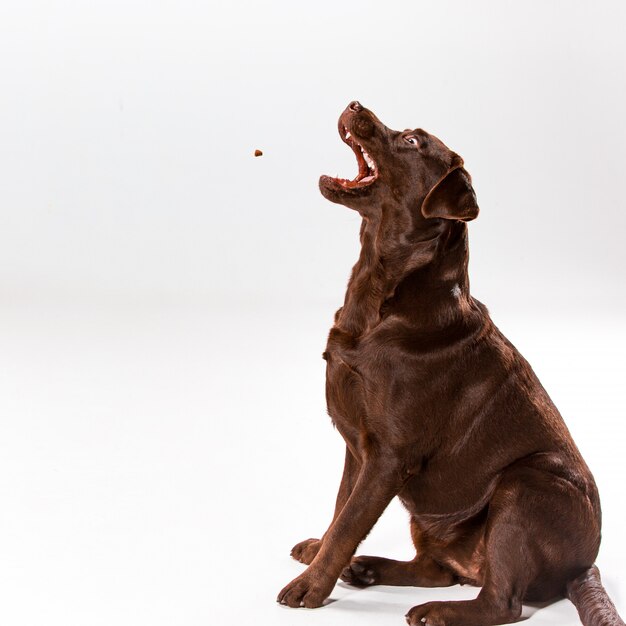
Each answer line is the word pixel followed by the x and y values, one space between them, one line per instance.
pixel 425 614
pixel 307 590
pixel 306 550
pixel 442 614
pixel 361 572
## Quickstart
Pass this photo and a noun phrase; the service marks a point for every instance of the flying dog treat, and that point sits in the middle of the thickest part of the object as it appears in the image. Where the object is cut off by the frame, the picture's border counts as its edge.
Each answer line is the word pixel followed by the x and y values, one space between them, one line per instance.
pixel 258 153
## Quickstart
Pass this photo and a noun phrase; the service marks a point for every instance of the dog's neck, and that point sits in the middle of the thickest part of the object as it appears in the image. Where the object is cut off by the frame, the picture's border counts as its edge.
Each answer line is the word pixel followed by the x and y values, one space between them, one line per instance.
pixel 423 278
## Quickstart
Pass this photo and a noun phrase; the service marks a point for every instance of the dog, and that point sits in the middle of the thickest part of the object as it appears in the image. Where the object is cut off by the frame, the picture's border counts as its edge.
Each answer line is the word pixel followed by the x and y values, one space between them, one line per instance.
pixel 438 408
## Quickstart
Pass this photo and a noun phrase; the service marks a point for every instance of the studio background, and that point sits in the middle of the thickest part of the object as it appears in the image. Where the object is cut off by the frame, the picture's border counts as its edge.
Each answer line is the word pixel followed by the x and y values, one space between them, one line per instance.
pixel 165 295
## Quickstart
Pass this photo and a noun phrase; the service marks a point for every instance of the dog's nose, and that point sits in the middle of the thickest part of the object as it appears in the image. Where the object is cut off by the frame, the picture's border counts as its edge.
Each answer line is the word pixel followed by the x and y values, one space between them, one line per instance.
pixel 355 106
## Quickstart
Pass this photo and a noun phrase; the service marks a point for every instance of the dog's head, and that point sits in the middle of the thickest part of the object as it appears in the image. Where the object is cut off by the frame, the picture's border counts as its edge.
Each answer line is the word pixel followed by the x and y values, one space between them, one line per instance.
pixel 410 171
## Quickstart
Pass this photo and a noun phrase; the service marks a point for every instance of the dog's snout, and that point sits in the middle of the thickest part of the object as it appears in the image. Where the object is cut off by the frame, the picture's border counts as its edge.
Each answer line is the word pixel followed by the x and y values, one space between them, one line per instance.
pixel 355 106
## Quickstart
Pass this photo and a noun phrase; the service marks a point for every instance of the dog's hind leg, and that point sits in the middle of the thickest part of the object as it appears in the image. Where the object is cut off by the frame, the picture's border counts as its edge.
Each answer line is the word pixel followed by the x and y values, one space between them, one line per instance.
pixel 422 571
pixel 541 530
pixel 364 571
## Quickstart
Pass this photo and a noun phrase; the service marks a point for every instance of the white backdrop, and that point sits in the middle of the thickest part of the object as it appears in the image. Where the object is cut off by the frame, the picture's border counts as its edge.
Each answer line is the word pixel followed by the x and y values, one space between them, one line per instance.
pixel 164 295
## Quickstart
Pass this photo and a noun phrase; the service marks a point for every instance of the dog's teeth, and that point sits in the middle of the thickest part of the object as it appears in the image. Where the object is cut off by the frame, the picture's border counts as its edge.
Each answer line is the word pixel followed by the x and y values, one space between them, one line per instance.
pixel 369 160
pixel 348 135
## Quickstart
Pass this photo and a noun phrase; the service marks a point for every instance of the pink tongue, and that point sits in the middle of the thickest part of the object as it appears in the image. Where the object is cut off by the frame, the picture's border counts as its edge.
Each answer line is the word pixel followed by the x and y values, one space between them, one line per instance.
pixel 367 179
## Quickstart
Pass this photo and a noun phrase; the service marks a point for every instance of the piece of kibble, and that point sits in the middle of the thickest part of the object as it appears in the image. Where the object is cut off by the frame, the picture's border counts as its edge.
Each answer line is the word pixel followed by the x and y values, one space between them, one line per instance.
pixel 258 153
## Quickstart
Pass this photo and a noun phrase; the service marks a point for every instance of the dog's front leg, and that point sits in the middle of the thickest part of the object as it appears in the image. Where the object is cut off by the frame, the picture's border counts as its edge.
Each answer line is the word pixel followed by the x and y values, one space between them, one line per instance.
pixel 379 480
pixel 307 550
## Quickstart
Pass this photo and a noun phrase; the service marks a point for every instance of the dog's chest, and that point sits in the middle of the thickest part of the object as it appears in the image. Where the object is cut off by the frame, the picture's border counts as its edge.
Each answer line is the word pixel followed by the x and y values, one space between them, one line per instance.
pixel 357 386
pixel 345 396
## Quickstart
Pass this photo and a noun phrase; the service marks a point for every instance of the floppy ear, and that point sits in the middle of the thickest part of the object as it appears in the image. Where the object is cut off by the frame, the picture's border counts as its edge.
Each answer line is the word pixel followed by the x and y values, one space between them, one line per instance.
pixel 452 198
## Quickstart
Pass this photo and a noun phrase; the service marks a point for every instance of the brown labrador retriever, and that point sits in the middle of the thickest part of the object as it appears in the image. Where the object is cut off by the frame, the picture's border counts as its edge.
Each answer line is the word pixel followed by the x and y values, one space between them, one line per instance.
pixel 438 408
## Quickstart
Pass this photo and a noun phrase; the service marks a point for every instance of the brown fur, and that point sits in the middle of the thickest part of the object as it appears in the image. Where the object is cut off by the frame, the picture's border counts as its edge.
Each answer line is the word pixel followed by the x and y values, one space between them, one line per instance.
pixel 438 408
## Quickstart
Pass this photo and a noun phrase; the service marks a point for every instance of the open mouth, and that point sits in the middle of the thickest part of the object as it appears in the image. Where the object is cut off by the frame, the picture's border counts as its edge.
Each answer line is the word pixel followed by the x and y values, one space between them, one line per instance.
pixel 368 171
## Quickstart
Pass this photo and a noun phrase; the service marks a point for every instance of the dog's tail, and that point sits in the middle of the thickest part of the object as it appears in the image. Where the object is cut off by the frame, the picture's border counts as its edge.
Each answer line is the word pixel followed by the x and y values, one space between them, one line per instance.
pixel 592 601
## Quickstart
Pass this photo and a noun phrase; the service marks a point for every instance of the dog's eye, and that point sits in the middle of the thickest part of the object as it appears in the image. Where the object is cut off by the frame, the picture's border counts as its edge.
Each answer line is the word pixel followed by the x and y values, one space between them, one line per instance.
pixel 412 140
